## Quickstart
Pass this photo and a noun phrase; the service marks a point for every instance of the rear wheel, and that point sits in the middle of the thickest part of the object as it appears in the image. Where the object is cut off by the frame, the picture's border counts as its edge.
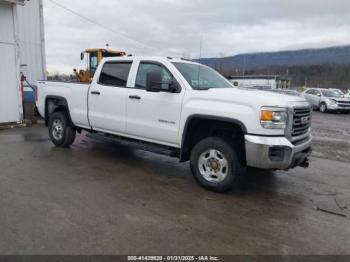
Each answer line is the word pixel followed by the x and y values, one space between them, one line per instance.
pixel 215 164
pixel 61 131
pixel 323 108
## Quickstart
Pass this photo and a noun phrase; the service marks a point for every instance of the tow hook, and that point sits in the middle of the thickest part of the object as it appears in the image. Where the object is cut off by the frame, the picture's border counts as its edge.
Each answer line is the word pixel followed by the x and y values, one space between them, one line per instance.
pixel 305 163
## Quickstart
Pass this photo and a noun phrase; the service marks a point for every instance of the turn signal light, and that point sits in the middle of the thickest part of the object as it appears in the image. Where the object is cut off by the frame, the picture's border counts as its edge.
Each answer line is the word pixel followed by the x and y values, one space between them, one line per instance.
pixel 266 116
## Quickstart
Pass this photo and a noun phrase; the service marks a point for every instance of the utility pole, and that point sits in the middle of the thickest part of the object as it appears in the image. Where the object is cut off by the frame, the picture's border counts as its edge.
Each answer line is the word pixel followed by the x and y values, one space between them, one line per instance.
pixel 244 65
pixel 200 46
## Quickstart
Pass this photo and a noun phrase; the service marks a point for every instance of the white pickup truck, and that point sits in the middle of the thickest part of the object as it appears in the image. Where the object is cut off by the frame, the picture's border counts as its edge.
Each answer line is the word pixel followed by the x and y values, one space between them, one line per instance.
pixel 186 108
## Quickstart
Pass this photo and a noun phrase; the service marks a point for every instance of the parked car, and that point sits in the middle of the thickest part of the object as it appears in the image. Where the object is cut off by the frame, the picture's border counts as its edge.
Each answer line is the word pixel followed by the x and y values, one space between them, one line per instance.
pixel 184 108
pixel 327 100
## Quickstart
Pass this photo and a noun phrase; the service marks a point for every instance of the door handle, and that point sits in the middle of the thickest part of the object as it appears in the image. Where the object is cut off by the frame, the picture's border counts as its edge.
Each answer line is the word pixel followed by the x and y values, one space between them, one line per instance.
pixel 96 93
pixel 135 97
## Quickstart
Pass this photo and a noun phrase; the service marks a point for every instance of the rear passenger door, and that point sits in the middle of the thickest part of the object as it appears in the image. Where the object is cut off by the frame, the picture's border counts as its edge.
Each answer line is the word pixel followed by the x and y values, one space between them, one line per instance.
pixel 107 97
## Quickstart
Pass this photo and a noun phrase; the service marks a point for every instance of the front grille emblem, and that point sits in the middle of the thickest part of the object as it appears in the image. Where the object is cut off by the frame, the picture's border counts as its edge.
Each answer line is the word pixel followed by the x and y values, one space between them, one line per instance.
pixel 305 120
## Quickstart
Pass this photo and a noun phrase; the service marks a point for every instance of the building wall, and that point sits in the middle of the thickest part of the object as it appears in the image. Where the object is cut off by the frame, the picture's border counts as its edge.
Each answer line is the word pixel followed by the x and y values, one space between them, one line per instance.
pixel 10 102
pixel 32 40
pixel 254 82
pixel 274 83
pixel 21 43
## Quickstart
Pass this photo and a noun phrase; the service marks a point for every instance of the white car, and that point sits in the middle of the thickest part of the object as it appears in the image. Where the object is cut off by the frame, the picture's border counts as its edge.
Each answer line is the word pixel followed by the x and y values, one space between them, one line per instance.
pixel 327 100
pixel 184 108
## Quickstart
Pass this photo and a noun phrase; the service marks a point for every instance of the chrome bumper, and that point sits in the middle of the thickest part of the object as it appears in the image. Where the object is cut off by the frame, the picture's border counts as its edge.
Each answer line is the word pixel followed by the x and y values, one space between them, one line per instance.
pixel 276 152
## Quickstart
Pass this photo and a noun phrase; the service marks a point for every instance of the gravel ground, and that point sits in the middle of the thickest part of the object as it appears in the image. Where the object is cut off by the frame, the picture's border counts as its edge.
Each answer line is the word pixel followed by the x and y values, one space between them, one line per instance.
pixel 331 136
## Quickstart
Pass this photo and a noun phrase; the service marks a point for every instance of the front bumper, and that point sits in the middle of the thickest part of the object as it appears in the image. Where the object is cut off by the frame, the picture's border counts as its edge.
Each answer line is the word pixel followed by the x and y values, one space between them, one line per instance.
pixel 276 152
pixel 338 107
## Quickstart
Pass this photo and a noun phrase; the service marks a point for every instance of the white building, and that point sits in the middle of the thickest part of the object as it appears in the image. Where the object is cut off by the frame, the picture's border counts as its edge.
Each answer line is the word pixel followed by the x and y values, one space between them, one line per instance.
pixel 22 49
pixel 261 81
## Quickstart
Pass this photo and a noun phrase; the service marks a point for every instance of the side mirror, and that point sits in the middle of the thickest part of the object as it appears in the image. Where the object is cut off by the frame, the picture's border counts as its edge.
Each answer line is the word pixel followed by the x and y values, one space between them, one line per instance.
pixel 174 87
pixel 82 56
pixel 319 94
pixel 154 81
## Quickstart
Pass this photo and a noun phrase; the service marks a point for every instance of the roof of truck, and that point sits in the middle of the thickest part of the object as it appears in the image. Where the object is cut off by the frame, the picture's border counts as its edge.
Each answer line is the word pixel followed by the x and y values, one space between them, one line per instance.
pixel 159 58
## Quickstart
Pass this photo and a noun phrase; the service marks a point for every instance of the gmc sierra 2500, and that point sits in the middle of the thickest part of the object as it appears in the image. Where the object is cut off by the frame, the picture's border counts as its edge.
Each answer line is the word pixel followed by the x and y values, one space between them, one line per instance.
pixel 187 108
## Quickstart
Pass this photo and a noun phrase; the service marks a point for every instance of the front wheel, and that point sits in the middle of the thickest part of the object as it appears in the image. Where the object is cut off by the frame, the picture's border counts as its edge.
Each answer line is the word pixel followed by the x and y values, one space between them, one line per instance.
pixel 323 108
pixel 215 164
pixel 61 132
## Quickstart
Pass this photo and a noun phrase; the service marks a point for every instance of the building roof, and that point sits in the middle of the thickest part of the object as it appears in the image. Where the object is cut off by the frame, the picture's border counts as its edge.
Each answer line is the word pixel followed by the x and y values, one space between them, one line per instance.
pixel 17 2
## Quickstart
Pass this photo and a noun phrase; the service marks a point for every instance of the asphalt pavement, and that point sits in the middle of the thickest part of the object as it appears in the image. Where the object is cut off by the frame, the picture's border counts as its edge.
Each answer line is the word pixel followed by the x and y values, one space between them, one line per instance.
pixel 108 198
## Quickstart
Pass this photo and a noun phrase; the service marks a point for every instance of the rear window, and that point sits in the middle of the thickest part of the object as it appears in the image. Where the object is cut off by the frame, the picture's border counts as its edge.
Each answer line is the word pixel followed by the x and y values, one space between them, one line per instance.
pixel 115 74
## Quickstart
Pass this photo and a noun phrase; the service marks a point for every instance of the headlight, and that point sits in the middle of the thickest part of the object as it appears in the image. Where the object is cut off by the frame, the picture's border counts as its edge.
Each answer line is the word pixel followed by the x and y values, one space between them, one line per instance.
pixel 273 118
pixel 332 102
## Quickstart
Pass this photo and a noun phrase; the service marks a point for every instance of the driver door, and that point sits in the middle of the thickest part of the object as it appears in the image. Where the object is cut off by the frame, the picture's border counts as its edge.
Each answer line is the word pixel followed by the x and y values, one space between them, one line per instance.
pixel 153 116
pixel 312 97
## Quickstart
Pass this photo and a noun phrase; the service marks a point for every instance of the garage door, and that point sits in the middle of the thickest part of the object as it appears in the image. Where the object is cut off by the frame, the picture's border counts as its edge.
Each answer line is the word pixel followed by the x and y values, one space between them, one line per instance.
pixel 9 86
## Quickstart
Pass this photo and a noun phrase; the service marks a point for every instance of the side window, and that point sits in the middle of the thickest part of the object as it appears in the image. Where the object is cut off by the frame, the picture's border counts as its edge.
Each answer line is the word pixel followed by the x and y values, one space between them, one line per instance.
pixel 311 92
pixel 93 64
pixel 146 67
pixel 115 74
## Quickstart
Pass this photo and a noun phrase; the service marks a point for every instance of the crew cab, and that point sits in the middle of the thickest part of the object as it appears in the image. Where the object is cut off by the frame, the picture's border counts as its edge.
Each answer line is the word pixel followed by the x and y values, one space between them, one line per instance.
pixel 186 108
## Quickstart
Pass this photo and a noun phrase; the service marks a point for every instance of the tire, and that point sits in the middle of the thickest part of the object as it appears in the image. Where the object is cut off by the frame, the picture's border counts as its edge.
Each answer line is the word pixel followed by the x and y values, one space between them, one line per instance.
pixel 323 108
pixel 215 165
pixel 62 132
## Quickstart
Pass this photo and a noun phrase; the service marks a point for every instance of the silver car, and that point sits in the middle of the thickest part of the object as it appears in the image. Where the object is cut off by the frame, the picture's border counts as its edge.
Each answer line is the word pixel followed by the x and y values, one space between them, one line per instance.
pixel 327 100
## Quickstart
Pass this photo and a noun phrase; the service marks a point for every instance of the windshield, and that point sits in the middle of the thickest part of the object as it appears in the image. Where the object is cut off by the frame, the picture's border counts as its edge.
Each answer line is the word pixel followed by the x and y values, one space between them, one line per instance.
pixel 338 92
pixel 201 77
pixel 331 93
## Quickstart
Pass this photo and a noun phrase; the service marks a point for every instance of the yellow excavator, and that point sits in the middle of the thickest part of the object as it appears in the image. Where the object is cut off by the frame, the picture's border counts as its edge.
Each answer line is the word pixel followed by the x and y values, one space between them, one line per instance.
pixel 94 58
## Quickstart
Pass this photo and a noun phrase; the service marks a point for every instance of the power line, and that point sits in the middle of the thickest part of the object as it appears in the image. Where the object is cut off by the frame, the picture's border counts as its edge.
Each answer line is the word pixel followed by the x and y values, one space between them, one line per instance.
pixel 101 25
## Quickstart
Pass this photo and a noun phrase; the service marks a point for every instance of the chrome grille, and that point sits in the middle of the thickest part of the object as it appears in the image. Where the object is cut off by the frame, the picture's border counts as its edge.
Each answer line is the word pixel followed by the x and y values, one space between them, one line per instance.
pixel 301 121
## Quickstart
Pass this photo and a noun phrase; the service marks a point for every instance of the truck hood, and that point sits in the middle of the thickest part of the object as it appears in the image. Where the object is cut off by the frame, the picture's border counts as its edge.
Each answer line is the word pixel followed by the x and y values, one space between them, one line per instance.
pixel 253 96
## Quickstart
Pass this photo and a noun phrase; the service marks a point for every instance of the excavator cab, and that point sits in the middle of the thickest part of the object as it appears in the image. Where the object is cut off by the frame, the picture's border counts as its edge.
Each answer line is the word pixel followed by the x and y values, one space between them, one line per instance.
pixel 94 58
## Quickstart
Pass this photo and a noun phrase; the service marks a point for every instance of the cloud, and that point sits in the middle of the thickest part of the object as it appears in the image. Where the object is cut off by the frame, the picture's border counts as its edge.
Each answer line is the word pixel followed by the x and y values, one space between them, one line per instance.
pixel 175 27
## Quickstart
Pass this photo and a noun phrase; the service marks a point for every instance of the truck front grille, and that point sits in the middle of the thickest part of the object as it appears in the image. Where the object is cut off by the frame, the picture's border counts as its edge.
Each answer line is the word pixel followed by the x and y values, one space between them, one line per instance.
pixel 301 121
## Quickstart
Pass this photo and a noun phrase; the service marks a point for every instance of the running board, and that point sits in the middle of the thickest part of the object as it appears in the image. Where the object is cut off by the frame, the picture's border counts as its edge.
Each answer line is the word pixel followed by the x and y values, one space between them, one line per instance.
pixel 142 145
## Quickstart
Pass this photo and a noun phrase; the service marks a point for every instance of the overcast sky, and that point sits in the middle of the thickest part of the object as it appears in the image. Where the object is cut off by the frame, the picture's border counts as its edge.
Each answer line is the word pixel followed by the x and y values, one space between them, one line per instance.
pixel 175 27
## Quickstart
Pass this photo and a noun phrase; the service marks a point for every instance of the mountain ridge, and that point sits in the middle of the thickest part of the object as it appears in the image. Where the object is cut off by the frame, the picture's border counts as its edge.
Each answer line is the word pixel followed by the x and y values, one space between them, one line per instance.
pixel 339 55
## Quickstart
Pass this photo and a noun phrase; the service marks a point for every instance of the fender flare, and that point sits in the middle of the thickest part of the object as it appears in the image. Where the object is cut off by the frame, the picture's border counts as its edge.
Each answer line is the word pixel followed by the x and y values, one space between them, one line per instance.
pixel 63 103
pixel 205 117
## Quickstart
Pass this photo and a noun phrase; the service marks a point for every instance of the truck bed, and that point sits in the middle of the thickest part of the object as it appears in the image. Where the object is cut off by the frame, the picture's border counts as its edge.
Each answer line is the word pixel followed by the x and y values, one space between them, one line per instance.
pixel 76 95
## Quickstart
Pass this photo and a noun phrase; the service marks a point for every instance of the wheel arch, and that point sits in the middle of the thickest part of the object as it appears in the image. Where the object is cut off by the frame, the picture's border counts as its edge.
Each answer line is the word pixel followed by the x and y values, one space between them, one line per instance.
pixel 196 121
pixel 55 104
